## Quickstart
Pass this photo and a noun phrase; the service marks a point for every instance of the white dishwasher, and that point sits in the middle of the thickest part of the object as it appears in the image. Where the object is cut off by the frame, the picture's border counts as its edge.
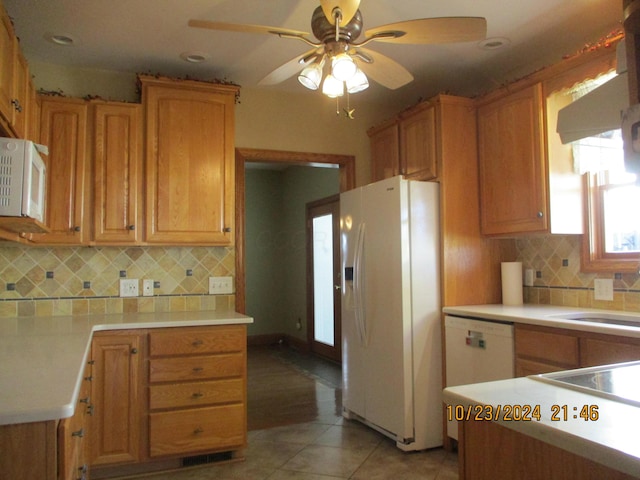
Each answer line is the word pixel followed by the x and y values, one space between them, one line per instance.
pixel 476 351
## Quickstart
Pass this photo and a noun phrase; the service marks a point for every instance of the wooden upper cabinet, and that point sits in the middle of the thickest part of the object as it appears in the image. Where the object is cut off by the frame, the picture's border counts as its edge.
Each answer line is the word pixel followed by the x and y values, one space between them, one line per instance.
pixel 405 145
pixel 190 176
pixel 7 40
pixel 63 131
pixel 418 143
pixel 21 94
pixel 513 177
pixel 385 151
pixel 117 173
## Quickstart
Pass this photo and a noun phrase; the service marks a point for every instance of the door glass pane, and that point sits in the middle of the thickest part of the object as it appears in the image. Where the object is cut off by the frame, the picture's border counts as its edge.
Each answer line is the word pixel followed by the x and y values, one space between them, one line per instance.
pixel 323 279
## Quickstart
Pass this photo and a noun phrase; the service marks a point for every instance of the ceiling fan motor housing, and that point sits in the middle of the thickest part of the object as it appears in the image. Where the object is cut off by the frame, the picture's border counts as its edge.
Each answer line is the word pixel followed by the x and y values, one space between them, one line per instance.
pixel 324 31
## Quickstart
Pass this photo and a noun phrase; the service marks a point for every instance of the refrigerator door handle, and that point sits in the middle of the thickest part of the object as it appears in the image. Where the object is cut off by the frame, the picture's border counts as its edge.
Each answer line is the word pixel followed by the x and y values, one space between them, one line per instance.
pixel 358 285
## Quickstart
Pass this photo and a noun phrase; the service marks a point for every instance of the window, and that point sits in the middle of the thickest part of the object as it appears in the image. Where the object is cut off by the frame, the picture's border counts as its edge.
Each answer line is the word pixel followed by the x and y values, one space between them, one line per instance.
pixel 612 240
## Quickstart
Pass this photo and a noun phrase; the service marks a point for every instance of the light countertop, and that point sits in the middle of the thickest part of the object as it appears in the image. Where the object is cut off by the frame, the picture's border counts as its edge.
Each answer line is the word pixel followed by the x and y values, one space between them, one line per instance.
pixel 611 440
pixel 42 359
pixel 548 315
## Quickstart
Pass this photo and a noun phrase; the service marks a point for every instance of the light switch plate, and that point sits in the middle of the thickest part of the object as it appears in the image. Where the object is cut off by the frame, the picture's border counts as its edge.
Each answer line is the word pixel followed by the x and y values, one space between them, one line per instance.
pixel 147 287
pixel 603 289
pixel 128 287
pixel 220 285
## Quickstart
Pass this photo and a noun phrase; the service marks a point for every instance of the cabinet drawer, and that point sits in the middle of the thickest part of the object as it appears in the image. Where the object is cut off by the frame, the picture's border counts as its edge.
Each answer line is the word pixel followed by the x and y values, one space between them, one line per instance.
pixel 600 351
pixel 554 348
pixel 193 341
pixel 196 368
pixel 196 394
pixel 197 430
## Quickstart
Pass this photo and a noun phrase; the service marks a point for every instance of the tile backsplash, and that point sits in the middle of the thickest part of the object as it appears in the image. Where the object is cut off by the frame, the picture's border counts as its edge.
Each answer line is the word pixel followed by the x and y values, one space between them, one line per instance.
pixel 80 280
pixel 559 281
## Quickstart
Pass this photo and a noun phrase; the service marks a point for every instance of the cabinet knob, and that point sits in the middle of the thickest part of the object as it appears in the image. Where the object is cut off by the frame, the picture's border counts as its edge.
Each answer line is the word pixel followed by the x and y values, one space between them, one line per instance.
pixel 198 431
pixel 134 351
pixel 79 433
pixel 197 343
pixel 131 227
pixel 226 229
pixel 84 400
pixel 197 395
pixel 90 410
pixel 540 214
pixel 197 369
pixel 76 228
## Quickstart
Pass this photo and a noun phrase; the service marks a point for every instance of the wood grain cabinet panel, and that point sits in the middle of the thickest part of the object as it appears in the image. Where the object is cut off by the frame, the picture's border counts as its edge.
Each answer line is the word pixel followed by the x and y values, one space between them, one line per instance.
pixel 197 390
pixel 63 129
pixel 190 169
pixel 21 95
pixel 606 349
pixel 116 390
pixel 197 430
pixel 513 175
pixel 117 173
pixel 385 151
pixel 418 140
pixel 7 40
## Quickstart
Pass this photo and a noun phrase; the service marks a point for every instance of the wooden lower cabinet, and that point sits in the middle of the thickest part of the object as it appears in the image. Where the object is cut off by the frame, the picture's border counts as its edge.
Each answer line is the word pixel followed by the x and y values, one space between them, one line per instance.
pixel 489 451
pixel 546 349
pixel 164 394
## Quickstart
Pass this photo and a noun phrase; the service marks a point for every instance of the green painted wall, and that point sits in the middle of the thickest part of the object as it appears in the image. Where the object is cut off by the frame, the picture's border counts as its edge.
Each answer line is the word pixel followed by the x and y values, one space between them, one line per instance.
pixel 275 249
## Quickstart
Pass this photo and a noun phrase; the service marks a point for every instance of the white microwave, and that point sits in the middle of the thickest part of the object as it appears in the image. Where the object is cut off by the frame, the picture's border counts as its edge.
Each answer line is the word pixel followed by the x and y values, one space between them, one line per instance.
pixel 22 179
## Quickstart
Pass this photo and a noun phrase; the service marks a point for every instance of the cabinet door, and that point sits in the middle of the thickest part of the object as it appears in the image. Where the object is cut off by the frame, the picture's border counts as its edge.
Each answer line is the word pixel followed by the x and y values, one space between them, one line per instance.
pixel 608 349
pixel 20 93
pixel 63 130
pixel 190 165
pixel 117 173
pixel 116 421
pixel 385 152
pixel 7 41
pixel 513 185
pixel 418 144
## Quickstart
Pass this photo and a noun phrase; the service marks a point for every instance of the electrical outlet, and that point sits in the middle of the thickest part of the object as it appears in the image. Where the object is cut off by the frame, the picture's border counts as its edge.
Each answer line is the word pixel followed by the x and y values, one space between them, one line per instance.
pixel 528 277
pixel 128 287
pixel 220 285
pixel 603 289
pixel 147 287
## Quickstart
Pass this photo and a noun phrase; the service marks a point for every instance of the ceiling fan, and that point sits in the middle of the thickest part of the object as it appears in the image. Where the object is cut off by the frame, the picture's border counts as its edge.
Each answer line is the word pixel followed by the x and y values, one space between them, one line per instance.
pixel 337 24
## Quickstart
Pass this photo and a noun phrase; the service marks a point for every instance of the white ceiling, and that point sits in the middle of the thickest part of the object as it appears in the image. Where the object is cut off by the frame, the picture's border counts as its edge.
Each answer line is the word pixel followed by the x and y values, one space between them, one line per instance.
pixel 148 36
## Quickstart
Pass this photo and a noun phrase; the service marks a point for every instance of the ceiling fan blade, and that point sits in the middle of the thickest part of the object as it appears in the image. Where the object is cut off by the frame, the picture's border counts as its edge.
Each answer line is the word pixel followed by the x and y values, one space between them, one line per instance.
pixel 293 66
pixel 385 71
pixel 347 7
pixel 432 30
pixel 245 28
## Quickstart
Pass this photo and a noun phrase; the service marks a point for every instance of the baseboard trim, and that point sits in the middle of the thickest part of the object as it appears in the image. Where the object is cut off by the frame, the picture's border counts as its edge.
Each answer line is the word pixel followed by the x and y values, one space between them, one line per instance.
pixel 278 339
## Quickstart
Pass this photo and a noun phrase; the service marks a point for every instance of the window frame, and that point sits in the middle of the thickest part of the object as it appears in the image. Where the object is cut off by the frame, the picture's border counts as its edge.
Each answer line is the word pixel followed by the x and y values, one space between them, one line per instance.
pixel 594 257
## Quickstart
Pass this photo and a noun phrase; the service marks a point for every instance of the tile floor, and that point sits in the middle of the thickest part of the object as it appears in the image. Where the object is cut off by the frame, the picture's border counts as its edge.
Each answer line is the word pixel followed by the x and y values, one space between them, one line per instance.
pixel 327 447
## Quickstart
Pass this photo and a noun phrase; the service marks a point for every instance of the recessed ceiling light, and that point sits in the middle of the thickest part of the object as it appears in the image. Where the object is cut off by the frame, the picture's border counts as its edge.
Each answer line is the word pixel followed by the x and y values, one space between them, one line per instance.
pixel 493 43
pixel 194 57
pixel 60 39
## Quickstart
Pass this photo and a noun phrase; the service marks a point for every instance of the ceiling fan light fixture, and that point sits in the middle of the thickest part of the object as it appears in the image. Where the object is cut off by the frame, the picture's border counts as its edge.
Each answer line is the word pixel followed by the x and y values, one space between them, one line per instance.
pixel 332 87
pixel 343 67
pixel 311 76
pixel 358 82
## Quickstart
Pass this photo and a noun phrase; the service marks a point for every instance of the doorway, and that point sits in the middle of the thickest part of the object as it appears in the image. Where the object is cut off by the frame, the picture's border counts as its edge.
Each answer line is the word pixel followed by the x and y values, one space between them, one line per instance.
pixel 346 165
pixel 324 330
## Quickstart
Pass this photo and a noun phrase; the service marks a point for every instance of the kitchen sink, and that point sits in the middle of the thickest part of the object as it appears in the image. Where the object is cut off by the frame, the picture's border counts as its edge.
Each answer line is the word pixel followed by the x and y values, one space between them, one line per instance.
pixel 627 320
pixel 617 382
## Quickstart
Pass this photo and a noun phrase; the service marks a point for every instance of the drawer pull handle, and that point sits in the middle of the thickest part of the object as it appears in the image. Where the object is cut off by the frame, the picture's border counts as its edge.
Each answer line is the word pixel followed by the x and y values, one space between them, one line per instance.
pixel 79 433
pixel 197 395
pixel 197 369
pixel 198 431
pixel 89 409
pixel 84 400
pixel 197 343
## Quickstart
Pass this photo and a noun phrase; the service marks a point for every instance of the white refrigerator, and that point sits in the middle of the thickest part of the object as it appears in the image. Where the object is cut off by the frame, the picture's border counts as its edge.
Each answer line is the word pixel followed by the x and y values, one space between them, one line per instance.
pixel 391 340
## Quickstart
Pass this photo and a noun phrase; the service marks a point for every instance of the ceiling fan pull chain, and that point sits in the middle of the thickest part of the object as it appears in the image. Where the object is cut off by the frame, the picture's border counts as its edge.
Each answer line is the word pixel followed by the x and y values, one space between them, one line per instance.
pixel 338 106
pixel 337 14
